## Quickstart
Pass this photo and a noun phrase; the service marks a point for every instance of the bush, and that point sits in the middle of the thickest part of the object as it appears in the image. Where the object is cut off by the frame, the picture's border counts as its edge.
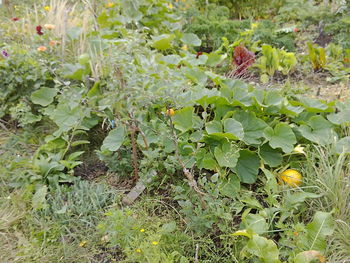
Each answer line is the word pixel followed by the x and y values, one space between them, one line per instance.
pixel 22 73
pixel 214 25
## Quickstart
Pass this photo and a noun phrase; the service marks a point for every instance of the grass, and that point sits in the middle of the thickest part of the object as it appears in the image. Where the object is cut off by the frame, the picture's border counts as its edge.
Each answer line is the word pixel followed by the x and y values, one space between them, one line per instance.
pixel 329 174
pixel 52 234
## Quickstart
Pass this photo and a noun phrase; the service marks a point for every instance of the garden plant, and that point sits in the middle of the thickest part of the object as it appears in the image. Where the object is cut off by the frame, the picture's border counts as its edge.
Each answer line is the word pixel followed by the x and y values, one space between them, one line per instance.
pixel 175 131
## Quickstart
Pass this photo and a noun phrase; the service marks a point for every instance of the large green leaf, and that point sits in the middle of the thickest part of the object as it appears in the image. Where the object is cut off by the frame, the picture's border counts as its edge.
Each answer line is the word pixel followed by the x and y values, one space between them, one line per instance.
pixel 266 250
pixel 183 119
pixel 227 155
pixel 74 71
pixel 230 187
pixel 271 181
pixel 318 130
pixel 321 226
pixel 234 127
pixel 131 10
pixel 171 59
pixel 273 98
pixel 163 42
pixel 195 74
pixel 248 166
pixel 339 118
pixel 205 160
pixel 343 145
pixel 290 110
pixel 66 117
pixel 282 136
pixel 114 139
pixel 214 59
pixel 39 198
pixel 253 127
pixel 44 96
pixel 313 105
pixel 191 39
pixel 256 223
pixel 95 90
pixel 213 127
pixel 271 157
pixel 241 97
pixel 233 130
pixel 291 199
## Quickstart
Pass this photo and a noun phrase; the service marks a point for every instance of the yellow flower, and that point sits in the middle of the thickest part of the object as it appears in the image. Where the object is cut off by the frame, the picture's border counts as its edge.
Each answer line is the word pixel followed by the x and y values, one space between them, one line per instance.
pixel 138 250
pixel 254 25
pixel 47 8
pixel 170 5
pixel 49 26
pixel 155 243
pixel 184 47
pixel 142 230
pixel 109 5
pixel 42 48
pixel 299 149
pixel 83 243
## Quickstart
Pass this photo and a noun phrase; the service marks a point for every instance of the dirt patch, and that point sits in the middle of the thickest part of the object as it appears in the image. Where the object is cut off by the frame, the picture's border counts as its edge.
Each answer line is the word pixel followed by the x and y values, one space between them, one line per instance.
pixel 315 86
pixel 91 170
pixel 96 170
pixel 320 88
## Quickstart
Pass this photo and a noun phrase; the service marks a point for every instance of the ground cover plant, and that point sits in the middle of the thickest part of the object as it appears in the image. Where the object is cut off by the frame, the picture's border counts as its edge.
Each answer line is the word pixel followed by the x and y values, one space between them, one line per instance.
pixel 174 131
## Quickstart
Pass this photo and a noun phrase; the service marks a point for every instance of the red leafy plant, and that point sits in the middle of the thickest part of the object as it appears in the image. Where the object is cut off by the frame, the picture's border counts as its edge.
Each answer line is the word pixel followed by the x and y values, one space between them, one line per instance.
pixel 243 59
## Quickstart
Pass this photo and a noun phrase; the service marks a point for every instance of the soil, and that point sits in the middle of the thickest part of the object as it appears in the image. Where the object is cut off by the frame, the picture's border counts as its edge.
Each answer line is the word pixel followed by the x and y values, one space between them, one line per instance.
pixel 96 170
pixel 320 88
pixel 314 85
pixel 91 170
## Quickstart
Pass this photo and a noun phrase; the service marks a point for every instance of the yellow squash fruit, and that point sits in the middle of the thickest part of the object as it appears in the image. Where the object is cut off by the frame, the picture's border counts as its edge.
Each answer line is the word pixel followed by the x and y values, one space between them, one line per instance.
pixel 291 177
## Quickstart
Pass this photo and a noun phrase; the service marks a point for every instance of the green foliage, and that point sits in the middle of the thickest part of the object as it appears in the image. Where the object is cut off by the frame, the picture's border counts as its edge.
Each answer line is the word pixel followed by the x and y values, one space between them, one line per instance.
pixel 297 10
pixel 317 56
pixel 312 239
pixel 329 173
pixel 336 63
pixel 114 139
pixel 267 32
pixel 273 60
pixel 159 18
pixel 248 9
pixel 264 249
pixel 214 24
pixel 21 74
pixel 233 139
pixel 339 27
pixel 141 240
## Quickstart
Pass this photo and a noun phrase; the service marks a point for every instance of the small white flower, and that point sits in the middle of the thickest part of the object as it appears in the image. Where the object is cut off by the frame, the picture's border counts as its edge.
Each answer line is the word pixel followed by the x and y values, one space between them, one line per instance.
pixel 299 149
